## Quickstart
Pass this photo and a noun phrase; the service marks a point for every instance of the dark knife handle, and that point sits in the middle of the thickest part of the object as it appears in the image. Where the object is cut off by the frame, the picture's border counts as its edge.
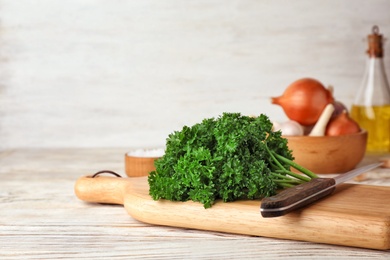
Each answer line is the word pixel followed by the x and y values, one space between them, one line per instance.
pixel 296 197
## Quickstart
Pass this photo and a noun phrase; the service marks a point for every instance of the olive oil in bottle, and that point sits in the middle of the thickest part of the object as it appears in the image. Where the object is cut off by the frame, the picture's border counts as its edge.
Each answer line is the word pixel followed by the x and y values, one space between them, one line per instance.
pixel 371 107
pixel 376 121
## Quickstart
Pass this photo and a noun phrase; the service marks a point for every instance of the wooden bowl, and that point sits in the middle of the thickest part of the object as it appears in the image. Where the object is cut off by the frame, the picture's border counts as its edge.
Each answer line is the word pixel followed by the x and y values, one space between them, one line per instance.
pixel 140 163
pixel 328 154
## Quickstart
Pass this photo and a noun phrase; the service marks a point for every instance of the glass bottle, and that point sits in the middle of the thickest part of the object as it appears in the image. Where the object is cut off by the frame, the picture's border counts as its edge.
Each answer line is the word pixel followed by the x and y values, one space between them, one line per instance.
pixel 371 107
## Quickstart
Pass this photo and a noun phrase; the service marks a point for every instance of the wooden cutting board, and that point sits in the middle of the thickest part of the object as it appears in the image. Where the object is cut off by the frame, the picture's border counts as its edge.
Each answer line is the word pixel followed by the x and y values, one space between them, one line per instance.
pixel 354 215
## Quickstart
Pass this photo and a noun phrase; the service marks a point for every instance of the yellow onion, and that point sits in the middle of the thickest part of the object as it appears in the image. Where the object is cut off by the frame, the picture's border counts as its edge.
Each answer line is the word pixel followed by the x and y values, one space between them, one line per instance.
pixel 342 125
pixel 304 100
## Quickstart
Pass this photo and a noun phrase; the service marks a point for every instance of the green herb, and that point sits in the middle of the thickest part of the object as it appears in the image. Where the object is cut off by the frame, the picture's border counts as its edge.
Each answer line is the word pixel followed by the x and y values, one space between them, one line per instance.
pixel 231 157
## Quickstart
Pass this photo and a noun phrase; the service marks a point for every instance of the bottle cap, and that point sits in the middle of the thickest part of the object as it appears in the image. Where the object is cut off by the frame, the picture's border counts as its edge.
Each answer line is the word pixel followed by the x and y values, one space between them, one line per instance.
pixel 375 43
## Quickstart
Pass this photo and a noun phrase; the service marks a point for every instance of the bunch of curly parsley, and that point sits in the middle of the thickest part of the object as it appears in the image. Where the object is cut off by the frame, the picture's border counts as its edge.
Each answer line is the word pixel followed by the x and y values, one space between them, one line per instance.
pixel 231 157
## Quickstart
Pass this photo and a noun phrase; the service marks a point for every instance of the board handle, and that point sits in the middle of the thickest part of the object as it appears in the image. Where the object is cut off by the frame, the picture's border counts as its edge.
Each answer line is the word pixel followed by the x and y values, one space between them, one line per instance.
pixel 296 197
pixel 101 189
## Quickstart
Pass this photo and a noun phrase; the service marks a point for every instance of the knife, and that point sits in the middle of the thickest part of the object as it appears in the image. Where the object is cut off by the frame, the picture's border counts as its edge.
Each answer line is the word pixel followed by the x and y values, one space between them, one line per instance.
pixel 303 194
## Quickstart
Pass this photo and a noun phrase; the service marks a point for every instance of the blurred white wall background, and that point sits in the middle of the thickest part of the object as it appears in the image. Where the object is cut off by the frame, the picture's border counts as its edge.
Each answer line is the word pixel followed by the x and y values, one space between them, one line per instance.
pixel 86 73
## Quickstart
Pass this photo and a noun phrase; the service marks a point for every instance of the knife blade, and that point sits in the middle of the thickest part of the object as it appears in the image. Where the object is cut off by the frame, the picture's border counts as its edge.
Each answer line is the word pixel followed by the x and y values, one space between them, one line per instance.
pixel 304 194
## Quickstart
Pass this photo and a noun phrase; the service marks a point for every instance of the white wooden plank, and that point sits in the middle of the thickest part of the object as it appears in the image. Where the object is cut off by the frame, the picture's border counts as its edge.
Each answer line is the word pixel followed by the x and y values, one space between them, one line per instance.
pixel 41 218
pixel 128 73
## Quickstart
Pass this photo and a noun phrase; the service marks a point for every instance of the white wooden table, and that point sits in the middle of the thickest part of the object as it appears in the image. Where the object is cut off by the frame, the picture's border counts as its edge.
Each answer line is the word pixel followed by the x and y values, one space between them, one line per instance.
pixel 41 218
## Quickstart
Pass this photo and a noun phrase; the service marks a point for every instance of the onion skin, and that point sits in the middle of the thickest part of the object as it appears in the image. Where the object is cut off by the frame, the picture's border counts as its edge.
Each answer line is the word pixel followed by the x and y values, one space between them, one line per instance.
pixel 304 100
pixel 338 108
pixel 342 125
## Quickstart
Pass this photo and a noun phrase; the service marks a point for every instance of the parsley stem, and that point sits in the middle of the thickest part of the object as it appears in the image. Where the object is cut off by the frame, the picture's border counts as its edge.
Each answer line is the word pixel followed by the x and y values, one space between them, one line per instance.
pixel 291 181
pixel 295 165
pixel 285 185
pixel 295 175
pixel 281 177
pixel 273 157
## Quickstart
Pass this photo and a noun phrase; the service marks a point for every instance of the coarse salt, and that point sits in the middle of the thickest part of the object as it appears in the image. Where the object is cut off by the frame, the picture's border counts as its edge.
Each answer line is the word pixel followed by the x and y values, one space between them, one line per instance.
pixel 153 153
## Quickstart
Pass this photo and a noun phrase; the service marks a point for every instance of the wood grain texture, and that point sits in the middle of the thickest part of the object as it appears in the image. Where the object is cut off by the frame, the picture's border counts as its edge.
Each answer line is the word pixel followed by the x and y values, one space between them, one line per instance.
pixel 128 73
pixel 333 220
pixel 41 218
